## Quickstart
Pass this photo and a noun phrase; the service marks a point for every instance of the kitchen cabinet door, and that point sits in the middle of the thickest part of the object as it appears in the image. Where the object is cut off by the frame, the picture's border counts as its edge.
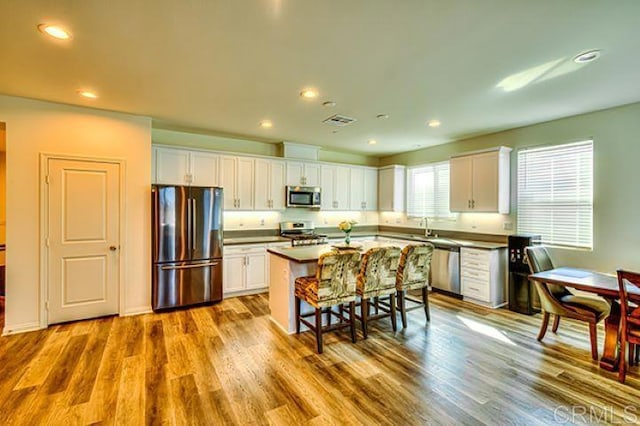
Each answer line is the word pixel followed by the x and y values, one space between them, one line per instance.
pixel 460 184
pixel 341 187
pixel 295 173
pixel 391 187
pixel 244 185
pixel 485 182
pixel 327 186
pixel 357 189
pixel 311 174
pixel 233 274
pixel 256 270
pixel 228 172
pixel 276 185
pixel 370 189
pixel 205 169
pixel 172 166
pixel 261 185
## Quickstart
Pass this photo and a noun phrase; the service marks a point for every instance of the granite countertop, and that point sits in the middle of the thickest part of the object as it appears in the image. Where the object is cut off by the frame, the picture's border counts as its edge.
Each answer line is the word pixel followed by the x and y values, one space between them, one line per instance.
pixel 254 240
pixel 309 254
pixel 440 242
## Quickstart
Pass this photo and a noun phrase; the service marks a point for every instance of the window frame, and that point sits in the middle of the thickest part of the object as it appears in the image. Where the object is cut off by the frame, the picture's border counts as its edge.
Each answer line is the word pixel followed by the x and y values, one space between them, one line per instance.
pixel 438 215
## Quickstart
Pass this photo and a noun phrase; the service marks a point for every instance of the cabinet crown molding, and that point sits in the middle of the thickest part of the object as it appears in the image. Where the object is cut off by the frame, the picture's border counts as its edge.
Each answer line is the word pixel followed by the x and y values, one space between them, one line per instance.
pixel 501 149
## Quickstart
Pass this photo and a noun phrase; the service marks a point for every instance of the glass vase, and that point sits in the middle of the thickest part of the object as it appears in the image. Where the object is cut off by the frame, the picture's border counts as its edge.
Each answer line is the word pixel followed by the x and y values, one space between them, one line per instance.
pixel 347 237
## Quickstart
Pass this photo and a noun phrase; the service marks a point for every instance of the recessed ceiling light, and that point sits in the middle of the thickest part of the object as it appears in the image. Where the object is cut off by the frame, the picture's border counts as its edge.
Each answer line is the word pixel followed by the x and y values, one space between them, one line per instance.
pixel 87 94
pixel 266 124
pixel 372 142
pixel 382 116
pixel 54 31
pixel 588 56
pixel 434 123
pixel 329 104
pixel 309 94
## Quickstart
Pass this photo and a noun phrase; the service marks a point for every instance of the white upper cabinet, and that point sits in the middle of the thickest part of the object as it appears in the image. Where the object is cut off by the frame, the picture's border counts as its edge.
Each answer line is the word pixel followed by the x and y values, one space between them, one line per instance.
pixel 364 189
pixel 301 173
pixel 391 184
pixel 371 189
pixel 335 183
pixel 183 167
pixel 236 178
pixel 205 169
pixel 172 167
pixel 269 185
pixel 480 182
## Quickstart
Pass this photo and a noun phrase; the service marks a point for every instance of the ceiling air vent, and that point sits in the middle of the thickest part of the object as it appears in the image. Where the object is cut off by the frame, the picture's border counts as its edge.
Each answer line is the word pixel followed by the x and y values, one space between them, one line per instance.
pixel 339 120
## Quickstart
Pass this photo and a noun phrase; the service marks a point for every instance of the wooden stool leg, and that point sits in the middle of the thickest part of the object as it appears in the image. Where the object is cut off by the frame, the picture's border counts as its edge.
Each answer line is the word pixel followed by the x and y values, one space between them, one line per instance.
pixel 392 306
pixel 297 315
pixel 329 315
pixel 364 314
pixel 425 300
pixel 556 323
pixel 375 304
pixel 593 336
pixel 352 320
pixel 543 326
pixel 341 310
pixel 403 309
pixel 632 354
pixel 319 329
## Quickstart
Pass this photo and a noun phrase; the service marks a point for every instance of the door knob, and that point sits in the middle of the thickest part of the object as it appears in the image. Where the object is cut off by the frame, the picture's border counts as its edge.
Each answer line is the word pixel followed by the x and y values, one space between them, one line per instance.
pixel 113 248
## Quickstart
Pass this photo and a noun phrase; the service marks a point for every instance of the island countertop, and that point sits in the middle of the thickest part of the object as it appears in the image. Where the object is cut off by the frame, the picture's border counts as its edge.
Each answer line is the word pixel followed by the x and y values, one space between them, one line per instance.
pixel 309 254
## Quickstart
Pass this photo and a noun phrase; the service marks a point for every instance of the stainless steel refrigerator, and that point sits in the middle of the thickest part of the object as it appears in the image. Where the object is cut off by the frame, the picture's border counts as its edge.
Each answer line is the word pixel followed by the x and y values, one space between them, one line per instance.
pixel 187 246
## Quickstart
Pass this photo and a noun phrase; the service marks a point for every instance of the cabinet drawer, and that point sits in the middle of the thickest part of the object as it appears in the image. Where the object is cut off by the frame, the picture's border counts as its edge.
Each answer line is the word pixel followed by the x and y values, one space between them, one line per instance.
pixel 476 274
pixel 242 250
pixel 475 264
pixel 475 254
pixel 476 289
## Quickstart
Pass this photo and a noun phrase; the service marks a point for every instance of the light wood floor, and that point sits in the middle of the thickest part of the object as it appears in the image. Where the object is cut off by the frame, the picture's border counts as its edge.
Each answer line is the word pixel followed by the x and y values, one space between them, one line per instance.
pixel 229 364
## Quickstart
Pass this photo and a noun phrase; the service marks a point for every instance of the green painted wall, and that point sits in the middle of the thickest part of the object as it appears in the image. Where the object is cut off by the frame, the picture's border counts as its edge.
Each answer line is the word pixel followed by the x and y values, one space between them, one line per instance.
pixel 616 136
pixel 244 146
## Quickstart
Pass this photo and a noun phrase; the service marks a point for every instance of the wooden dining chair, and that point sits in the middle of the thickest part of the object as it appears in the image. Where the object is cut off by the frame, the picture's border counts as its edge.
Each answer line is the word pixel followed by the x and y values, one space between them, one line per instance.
pixel 334 284
pixel 629 322
pixel 557 300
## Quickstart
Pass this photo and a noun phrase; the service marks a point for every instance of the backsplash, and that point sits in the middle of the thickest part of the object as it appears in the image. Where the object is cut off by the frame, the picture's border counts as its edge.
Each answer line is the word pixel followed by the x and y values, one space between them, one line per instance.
pixel 242 220
pixel 483 223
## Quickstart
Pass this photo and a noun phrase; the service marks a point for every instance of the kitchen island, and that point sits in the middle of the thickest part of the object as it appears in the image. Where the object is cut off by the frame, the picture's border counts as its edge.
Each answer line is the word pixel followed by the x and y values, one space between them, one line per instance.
pixel 288 263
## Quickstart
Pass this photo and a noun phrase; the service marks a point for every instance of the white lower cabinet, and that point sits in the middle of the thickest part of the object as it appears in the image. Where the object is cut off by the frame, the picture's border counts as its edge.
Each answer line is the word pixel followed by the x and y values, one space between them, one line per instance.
pixel 483 276
pixel 245 270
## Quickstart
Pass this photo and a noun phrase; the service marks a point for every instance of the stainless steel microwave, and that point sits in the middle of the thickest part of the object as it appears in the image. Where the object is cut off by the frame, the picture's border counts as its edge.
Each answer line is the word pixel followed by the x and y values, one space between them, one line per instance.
pixel 303 196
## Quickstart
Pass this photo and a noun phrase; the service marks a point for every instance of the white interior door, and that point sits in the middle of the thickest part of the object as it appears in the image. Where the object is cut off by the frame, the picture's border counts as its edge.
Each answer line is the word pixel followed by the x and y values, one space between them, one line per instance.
pixel 83 239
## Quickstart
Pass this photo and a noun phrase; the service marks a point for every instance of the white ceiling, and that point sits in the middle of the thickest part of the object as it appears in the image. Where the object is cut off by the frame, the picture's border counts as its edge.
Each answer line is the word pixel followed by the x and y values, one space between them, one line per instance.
pixel 222 66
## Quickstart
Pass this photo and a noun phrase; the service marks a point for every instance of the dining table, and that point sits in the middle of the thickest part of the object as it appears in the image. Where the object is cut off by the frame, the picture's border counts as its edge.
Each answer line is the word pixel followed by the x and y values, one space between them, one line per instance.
pixel 603 285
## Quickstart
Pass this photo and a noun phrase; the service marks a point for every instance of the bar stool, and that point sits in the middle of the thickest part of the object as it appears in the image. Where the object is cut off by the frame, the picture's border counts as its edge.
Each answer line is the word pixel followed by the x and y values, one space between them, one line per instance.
pixel 333 285
pixel 377 278
pixel 413 274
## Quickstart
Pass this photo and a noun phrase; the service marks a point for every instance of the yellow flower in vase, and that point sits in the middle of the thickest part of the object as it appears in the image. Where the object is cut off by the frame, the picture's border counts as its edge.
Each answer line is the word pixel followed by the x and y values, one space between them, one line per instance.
pixel 346 226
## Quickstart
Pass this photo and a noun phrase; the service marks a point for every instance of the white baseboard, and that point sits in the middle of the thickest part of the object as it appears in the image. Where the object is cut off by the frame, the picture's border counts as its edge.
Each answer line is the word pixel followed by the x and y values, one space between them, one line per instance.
pixel 139 310
pixel 245 293
pixel 21 328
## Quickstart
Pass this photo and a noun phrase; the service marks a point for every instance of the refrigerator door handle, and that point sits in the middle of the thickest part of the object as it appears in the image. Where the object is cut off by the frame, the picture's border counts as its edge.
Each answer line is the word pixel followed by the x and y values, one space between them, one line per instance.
pixel 199 265
pixel 193 224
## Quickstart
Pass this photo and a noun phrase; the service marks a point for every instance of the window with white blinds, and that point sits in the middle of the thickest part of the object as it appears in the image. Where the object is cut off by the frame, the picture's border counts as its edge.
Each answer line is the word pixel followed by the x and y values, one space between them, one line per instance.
pixel 428 190
pixel 555 194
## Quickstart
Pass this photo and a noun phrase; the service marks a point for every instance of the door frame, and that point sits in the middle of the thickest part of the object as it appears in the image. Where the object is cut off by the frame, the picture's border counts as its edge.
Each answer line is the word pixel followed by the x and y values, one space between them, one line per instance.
pixel 43 295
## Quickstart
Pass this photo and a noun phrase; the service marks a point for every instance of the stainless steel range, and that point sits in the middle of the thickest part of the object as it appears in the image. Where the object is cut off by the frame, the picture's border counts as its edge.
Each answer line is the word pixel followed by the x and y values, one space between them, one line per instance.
pixel 302 233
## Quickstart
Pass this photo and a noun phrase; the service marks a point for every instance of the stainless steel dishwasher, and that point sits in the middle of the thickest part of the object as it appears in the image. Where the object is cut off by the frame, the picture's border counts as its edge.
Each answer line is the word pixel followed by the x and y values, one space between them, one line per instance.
pixel 445 269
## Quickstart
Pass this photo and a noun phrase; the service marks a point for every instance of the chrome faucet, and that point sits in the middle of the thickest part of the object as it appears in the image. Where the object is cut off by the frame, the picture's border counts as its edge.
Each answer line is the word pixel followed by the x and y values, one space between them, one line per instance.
pixel 427 231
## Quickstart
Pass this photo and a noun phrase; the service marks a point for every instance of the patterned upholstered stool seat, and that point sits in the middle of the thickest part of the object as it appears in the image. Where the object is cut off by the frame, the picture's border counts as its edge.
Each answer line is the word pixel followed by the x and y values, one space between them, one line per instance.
pixel 333 285
pixel 377 278
pixel 413 274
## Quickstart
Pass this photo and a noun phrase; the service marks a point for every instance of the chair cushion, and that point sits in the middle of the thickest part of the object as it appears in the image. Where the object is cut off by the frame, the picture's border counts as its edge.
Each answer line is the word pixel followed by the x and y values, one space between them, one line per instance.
pixel 306 289
pixel 598 307
pixel 414 266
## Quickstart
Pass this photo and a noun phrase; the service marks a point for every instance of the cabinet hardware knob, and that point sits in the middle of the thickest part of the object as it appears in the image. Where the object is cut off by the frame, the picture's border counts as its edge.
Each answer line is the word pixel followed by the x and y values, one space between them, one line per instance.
pixel 113 248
